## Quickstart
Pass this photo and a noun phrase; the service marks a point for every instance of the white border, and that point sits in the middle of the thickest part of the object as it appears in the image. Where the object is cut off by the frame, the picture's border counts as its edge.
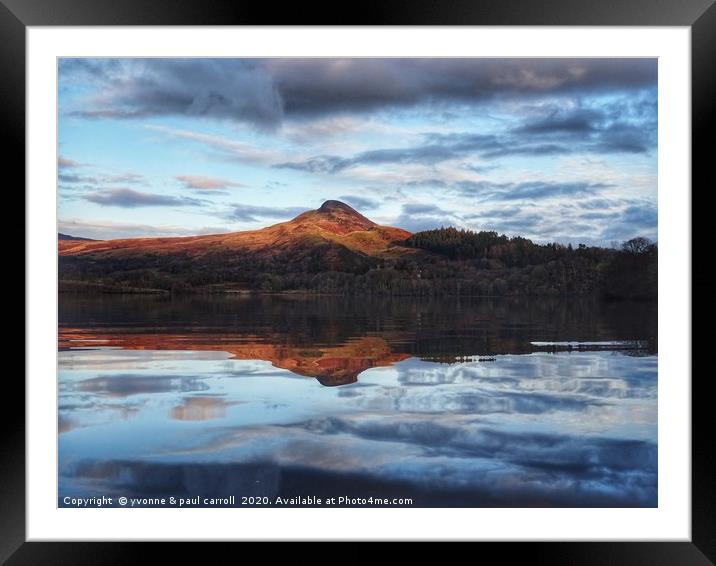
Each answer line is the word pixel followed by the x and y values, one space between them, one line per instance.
pixel 670 521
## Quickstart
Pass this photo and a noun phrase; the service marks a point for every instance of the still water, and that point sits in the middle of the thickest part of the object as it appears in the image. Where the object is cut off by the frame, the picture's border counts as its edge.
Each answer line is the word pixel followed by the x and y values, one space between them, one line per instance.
pixel 507 403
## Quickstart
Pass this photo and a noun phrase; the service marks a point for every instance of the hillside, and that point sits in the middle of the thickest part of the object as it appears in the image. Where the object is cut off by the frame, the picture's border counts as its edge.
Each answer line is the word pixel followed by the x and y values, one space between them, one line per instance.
pixel 335 249
pixel 333 224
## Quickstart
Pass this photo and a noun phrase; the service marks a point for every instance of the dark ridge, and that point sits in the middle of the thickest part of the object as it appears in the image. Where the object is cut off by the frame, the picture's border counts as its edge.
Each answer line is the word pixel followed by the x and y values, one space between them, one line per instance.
pixel 61 236
pixel 331 205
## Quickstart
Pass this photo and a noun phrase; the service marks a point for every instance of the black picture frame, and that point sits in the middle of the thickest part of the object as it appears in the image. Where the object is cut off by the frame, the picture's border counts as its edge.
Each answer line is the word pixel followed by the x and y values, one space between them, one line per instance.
pixel 699 15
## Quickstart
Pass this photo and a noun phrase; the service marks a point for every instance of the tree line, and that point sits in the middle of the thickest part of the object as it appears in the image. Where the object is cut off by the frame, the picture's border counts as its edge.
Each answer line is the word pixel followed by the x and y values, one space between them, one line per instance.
pixel 445 261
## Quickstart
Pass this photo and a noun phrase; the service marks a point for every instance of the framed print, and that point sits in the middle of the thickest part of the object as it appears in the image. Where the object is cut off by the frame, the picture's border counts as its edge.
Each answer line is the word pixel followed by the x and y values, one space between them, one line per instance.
pixel 426 277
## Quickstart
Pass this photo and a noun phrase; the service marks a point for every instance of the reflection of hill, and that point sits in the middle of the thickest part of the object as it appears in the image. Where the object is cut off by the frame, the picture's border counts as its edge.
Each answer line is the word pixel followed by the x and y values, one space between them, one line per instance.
pixel 330 365
pixel 334 339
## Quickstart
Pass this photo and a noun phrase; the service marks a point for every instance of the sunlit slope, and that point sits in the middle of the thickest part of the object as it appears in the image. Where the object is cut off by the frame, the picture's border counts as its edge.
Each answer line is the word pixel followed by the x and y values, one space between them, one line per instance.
pixel 335 226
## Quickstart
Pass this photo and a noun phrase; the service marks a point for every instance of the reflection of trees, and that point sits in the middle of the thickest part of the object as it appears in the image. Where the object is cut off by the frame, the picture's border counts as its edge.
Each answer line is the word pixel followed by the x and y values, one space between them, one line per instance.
pixel 312 320
pixel 349 334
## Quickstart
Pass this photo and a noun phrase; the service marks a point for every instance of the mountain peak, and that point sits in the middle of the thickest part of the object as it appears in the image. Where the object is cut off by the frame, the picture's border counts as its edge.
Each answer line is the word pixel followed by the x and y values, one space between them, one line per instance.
pixel 336 217
pixel 331 231
pixel 336 205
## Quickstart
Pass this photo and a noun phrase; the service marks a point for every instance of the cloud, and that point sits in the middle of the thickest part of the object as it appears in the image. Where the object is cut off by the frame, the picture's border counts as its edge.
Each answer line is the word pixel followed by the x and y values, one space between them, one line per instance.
pixel 265 92
pixel 237 89
pixel 573 139
pixel 251 213
pixel 556 135
pixel 475 188
pixel 318 164
pixel 529 191
pixel 129 198
pixel 634 220
pixel 496 213
pixel 228 149
pixel 480 168
pixel 517 224
pixel 65 163
pixel 416 217
pixel 505 219
pixel 580 121
pixel 625 126
pixel 124 178
pixel 427 182
pixel 422 209
pixel 112 229
pixel 437 148
pixel 644 216
pixel 67 174
pixel 541 190
pixel 531 150
pixel 203 182
pixel 323 86
pixel 570 218
pixel 361 203
pixel 321 129
pixel 74 178
pixel 599 215
pixel 596 203
pixel 625 138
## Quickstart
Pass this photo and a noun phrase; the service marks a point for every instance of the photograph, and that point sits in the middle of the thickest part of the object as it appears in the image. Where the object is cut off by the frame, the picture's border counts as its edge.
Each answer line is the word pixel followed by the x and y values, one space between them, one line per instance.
pixel 357 282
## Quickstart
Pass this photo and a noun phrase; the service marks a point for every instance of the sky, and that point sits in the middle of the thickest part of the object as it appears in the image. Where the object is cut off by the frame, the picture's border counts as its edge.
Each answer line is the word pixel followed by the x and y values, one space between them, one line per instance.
pixel 555 150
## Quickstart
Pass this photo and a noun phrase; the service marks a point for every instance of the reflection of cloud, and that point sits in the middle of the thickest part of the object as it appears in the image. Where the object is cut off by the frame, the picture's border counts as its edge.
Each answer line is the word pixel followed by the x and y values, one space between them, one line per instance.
pixel 124 385
pixel 202 408
pixel 65 424
pixel 118 477
pixel 531 462
pixel 453 455
pixel 535 450
pixel 585 372
pixel 116 359
pixel 544 429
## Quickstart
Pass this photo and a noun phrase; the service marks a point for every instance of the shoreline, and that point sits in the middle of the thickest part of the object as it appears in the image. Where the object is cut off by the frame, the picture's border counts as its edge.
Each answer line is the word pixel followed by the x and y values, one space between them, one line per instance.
pixel 103 291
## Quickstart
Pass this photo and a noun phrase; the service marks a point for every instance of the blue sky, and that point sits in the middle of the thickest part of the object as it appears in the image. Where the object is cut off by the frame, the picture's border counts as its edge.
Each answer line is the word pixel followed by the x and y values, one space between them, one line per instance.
pixel 551 149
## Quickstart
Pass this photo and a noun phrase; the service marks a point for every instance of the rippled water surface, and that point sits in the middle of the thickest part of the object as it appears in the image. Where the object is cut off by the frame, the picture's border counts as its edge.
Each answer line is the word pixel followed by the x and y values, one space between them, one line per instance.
pixel 541 402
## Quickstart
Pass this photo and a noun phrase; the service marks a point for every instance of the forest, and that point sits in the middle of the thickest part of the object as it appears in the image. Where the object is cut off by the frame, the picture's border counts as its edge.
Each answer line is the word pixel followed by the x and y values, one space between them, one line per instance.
pixel 444 261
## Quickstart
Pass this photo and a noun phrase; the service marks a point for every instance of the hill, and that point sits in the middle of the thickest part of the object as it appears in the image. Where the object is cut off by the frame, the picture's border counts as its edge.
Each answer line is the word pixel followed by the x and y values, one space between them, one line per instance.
pixel 335 228
pixel 335 249
pixel 66 237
